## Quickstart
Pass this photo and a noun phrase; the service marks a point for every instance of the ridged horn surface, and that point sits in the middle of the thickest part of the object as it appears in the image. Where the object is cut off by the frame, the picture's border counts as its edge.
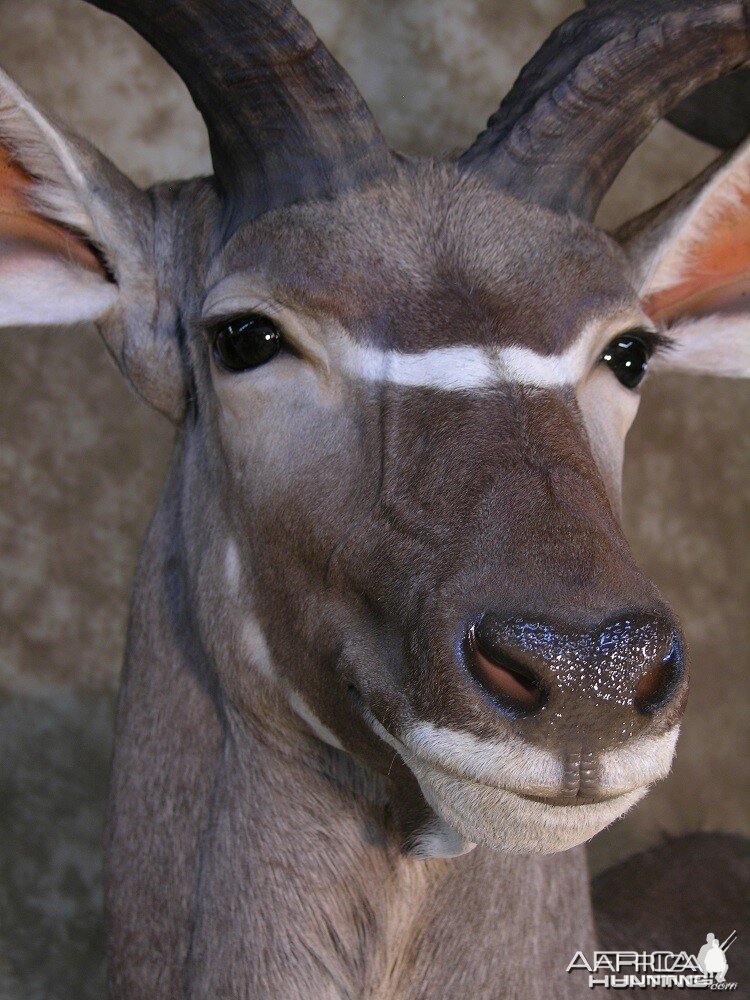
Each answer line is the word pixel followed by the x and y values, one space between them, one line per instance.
pixel 597 87
pixel 285 122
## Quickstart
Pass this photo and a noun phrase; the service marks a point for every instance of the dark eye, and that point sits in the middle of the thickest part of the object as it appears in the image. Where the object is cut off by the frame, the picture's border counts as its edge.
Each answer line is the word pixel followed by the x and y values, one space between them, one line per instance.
pixel 240 344
pixel 628 357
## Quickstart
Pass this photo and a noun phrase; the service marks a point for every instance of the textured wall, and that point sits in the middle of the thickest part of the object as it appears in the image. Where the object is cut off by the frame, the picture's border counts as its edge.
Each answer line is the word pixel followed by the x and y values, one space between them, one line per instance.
pixel 81 462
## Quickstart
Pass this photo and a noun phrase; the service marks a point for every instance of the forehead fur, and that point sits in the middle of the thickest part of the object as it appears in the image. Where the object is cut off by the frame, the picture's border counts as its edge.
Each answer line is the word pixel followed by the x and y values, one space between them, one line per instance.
pixel 436 257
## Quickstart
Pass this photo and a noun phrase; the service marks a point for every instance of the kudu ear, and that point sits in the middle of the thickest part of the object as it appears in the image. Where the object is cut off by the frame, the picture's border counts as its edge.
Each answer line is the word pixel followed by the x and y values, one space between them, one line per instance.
pixel 692 260
pixel 76 244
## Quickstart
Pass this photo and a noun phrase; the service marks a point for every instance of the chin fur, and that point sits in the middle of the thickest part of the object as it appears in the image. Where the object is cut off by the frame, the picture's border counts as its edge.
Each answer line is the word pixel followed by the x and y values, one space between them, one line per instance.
pixel 508 822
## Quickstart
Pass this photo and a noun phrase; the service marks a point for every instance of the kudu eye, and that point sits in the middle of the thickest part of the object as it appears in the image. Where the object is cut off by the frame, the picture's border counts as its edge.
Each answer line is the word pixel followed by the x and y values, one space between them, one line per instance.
pixel 628 356
pixel 247 342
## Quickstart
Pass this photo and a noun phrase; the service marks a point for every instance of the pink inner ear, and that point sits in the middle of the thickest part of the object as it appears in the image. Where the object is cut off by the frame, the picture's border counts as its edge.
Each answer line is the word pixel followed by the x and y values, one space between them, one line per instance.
pixel 21 227
pixel 713 274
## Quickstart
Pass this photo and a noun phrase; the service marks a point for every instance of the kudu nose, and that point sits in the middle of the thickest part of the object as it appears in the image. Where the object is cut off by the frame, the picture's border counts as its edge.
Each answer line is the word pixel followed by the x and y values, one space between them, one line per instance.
pixel 635 661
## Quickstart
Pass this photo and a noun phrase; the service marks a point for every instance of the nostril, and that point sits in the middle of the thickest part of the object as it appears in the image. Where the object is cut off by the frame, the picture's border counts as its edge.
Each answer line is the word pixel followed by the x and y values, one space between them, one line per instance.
pixel 512 682
pixel 657 685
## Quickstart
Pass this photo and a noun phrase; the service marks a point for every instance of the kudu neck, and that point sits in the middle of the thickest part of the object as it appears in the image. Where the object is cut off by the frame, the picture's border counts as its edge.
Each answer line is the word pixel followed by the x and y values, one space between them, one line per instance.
pixel 254 710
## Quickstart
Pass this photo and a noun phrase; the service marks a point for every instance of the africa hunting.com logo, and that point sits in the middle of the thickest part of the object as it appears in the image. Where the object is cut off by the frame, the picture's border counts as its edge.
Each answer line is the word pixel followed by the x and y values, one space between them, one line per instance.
pixel 627 970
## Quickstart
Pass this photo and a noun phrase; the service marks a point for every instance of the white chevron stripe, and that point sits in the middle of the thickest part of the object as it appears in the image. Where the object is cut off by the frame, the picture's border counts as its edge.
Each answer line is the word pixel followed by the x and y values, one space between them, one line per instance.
pixel 468 368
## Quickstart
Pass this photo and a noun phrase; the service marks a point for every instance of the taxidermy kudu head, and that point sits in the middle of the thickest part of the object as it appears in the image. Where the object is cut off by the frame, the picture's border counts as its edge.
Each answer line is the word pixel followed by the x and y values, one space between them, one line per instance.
pixel 402 388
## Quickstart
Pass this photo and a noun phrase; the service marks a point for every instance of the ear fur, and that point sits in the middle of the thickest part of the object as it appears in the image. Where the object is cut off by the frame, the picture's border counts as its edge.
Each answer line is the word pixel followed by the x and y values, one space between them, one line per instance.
pixel 77 244
pixel 691 257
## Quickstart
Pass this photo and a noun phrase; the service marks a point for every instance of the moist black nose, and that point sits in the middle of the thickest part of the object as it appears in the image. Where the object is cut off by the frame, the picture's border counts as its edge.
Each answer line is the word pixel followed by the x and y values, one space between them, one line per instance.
pixel 634 661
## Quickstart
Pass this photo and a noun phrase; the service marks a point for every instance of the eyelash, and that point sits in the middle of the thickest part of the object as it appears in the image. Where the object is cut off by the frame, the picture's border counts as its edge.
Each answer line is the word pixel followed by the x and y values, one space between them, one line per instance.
pixel 655 341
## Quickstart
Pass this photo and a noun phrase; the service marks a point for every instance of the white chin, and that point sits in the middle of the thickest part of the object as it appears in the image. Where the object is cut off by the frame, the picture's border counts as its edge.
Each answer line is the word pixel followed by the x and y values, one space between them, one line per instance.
pixel 508 822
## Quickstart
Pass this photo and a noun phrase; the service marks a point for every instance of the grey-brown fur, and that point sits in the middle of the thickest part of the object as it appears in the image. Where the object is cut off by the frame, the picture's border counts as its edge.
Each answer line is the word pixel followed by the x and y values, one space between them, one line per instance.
pixel 297 849
pixel 254 831
pixel 354 836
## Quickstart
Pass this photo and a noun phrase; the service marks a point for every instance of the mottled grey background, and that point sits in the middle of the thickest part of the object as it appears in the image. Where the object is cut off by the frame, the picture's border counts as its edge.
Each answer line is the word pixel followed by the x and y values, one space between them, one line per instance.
pixel 81 462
